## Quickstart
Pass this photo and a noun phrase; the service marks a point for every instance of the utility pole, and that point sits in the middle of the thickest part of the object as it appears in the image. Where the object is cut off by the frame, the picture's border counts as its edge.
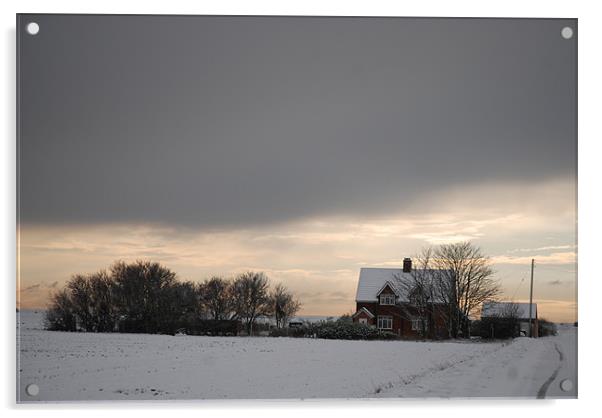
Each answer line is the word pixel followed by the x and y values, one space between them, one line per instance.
pixel 531 301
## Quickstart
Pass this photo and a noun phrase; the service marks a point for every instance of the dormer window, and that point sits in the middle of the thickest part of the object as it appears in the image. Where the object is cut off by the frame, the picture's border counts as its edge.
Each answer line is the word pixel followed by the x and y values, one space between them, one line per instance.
pixel 387 299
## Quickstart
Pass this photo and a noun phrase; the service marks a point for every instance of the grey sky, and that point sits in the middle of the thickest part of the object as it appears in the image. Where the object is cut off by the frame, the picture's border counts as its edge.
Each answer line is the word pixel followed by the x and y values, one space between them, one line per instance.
pixel 237 120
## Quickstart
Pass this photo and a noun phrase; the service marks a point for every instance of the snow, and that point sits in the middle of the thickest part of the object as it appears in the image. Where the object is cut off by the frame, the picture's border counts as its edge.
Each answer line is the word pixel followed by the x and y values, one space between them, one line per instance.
pixel 372 280
pixel 518 369
pixel 86 366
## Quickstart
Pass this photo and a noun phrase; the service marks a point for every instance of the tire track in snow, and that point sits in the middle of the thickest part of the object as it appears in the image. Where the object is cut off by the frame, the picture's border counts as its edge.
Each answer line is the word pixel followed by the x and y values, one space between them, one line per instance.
pixel 440 367
pixel 541 394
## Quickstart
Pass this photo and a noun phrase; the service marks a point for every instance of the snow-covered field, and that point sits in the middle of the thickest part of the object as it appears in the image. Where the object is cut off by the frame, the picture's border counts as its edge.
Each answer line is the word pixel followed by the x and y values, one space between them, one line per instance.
pixel 81 366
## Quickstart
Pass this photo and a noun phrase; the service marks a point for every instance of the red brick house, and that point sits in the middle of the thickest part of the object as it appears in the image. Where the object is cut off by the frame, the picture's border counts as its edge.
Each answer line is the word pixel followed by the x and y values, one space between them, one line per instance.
pixel 384 300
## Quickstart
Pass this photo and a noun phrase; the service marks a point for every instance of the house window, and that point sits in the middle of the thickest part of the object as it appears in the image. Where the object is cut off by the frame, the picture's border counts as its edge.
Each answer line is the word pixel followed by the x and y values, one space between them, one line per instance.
pixel 387 299
pixel 385 322
pixel 417 325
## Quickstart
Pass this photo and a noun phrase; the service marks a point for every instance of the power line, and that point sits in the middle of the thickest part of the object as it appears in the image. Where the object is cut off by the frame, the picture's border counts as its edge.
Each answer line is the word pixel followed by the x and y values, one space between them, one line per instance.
pixel 555 267
pixel 517 287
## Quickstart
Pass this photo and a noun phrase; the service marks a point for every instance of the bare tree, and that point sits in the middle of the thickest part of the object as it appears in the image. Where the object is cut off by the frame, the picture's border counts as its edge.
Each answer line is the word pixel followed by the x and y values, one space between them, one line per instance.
pixel 467 282
pixel 420 289
pixel 216 297
pixel 92 301
pixel 102 301
pixel 80 295
pixel 250 298
pixel 139 297
pixel 178 302
pixel 60 315
pixel 283 305
pixel 142 289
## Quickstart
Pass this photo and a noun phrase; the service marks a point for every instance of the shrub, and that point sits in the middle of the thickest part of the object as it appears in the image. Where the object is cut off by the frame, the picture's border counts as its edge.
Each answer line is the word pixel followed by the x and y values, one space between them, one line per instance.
pixel 335 330
pixel 547 328
pixel 60 316
pixel 341 330
pixel 188 326
pixel 298 332
pixel 345 318
pixel 475 327
pixel 499 328
pixel 387 335
pixel 279 332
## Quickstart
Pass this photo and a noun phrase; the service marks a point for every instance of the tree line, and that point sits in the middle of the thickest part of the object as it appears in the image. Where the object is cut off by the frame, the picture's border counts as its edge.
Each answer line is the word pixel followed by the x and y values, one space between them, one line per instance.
pixel 148 297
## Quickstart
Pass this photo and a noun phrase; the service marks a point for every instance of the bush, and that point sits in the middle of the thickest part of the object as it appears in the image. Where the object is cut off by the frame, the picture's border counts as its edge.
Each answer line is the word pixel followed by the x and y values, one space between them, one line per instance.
pixel 279 332
pixel 476 328
pixel 298 332
pixel 188 326
pixel 387 335
pixel 335 330
pixel 341 330
pixel 499 328
pixel 60 316
pixel 547 328
pixel 345 318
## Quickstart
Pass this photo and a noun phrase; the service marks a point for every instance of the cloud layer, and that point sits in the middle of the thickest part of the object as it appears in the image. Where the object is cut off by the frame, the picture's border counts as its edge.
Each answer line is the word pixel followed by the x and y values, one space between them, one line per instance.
pixel 303 147
pixel 218 121
pixel 319 258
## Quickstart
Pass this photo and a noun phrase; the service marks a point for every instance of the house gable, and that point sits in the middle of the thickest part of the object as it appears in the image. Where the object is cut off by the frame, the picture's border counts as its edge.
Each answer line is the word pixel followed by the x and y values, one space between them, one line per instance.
pixel 387 289
pixel 363 312
pixel 373 281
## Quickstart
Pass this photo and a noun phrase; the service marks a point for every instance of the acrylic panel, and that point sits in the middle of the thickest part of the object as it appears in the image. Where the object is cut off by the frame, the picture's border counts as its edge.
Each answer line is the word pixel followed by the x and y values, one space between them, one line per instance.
pixel 269 207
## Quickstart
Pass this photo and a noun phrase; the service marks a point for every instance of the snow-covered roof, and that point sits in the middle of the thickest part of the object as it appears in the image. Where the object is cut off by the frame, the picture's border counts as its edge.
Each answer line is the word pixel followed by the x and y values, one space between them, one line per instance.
pixel 366 311
pixel 521 310
pixel 373 280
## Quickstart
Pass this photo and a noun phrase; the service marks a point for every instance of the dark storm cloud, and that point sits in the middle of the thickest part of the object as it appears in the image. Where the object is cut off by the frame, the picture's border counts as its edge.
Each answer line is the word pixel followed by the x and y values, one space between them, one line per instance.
pixel 222 120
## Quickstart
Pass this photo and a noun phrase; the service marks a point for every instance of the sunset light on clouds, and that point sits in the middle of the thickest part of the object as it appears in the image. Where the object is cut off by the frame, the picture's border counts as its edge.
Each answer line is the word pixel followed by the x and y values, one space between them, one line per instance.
pixel 319 258
pixel 306 155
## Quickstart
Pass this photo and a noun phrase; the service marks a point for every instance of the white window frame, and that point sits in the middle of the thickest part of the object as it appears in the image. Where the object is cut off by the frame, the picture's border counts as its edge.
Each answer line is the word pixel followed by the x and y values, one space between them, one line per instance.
pixel 387 299
pixel 381 320
pixel 417 325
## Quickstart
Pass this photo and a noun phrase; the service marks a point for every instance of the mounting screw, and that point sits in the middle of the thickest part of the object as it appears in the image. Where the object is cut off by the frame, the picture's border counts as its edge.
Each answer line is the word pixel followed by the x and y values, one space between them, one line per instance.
pixel 32 28
pixel 567 32
pixel 32 390
pixel 566 385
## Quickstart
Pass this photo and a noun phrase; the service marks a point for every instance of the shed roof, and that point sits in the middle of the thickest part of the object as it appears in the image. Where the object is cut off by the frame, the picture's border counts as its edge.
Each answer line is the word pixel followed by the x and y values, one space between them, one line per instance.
pixel 499 309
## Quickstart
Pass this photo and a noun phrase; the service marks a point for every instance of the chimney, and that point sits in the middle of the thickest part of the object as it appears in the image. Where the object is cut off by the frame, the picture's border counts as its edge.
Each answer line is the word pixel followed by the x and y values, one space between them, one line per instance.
pixel 407 265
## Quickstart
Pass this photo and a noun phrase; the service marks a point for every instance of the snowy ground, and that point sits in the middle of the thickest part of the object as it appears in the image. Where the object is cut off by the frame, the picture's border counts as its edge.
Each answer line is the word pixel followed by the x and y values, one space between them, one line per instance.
pixel 80 366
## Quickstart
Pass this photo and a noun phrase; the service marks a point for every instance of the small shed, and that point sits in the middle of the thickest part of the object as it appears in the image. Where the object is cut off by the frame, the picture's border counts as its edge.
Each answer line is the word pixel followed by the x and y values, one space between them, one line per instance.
pixel 518 312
